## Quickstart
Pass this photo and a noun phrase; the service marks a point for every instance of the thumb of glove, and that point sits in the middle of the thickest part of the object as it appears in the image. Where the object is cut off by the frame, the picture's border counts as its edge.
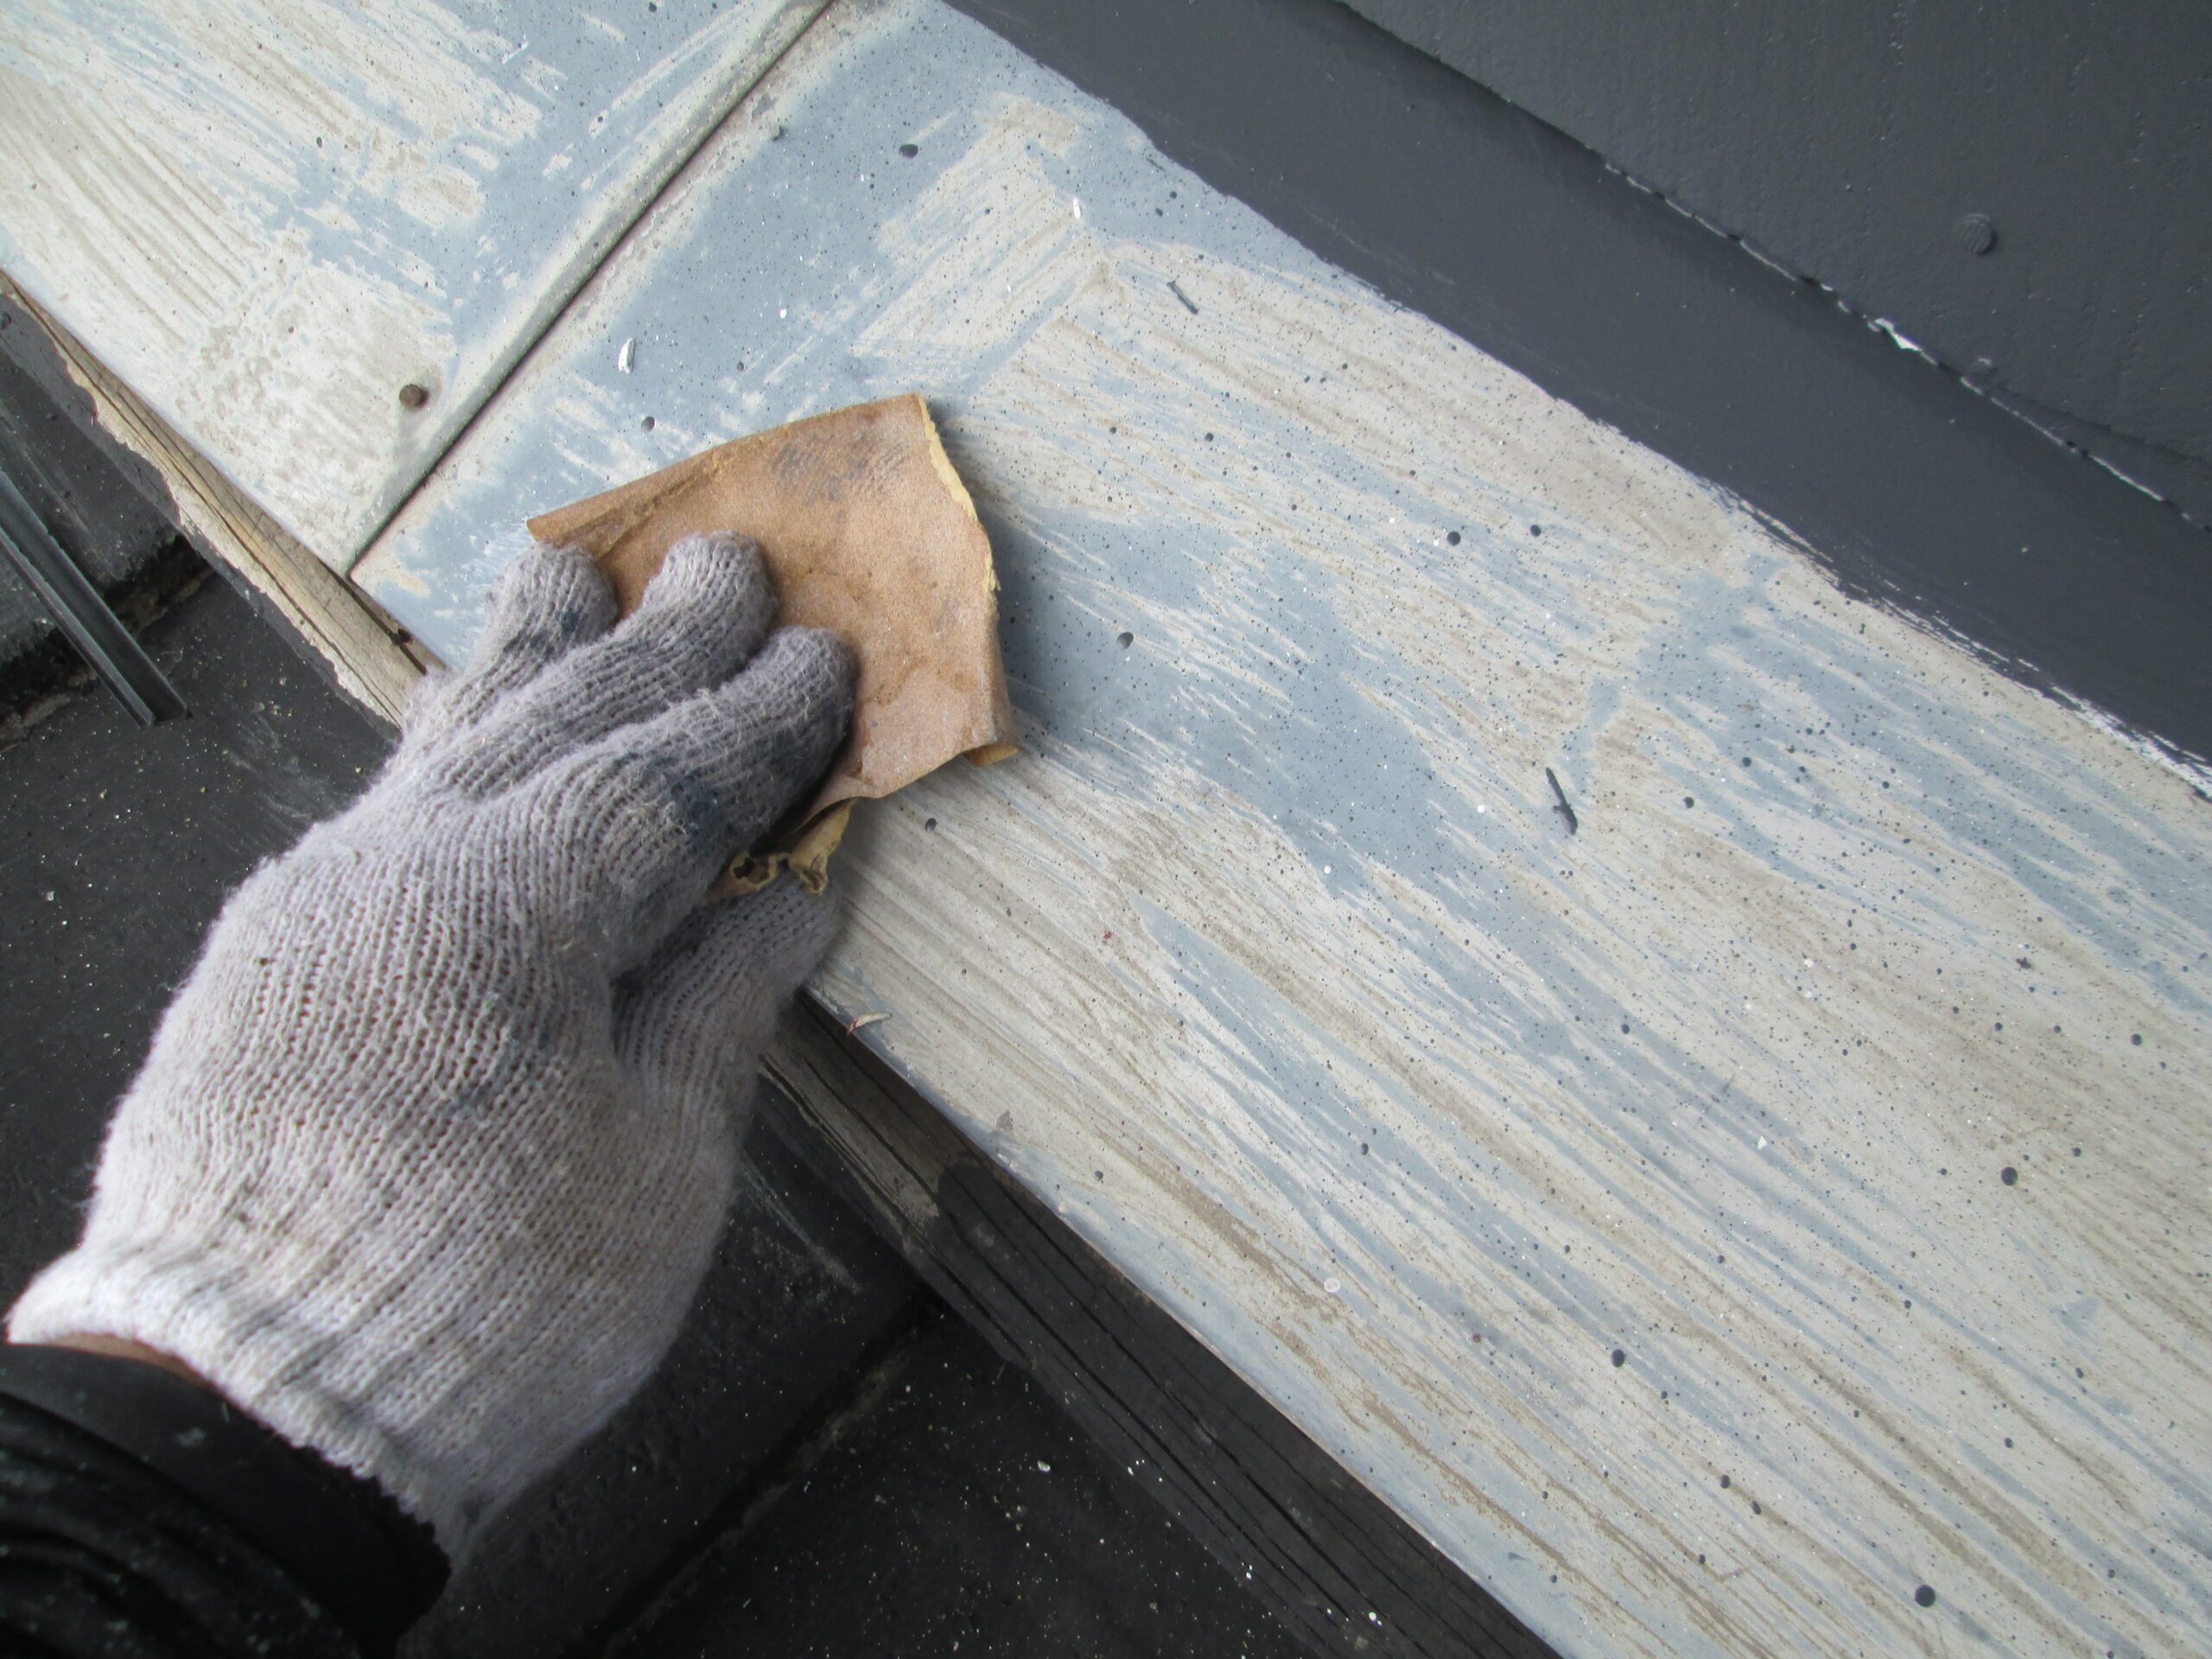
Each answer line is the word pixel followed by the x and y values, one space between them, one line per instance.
pixel 694 1021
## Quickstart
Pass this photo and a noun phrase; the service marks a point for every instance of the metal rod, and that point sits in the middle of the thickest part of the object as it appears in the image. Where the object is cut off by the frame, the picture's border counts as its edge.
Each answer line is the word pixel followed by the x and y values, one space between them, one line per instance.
pixel 82 614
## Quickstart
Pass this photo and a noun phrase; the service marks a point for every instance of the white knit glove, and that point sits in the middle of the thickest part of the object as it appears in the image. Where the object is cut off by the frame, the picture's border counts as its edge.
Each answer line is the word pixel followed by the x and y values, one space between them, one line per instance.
pixel 432 1149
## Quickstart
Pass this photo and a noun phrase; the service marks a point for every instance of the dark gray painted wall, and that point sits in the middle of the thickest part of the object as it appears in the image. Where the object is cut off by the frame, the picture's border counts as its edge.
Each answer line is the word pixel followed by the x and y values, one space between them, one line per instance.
pixel 1847 141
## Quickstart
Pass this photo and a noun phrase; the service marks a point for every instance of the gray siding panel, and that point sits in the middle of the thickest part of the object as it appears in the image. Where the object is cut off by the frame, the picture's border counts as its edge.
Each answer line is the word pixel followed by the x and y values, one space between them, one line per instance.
pixel 1848 143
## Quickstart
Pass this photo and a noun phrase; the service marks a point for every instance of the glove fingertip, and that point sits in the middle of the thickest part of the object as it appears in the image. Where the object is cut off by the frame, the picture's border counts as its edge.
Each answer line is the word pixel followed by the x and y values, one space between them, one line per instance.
pixel 795 929
pixel 547 602
pixel 804 682
pixel 559 588
pixel 710 996
pixel 719 579
pixel 809 667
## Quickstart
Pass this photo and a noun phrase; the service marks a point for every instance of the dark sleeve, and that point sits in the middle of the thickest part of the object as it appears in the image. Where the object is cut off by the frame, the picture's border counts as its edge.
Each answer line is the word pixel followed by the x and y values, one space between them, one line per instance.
pixel 140 1515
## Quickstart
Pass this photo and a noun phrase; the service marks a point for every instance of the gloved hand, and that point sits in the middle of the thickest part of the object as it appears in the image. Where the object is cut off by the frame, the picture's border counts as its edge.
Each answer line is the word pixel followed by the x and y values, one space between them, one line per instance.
pixel 432 1149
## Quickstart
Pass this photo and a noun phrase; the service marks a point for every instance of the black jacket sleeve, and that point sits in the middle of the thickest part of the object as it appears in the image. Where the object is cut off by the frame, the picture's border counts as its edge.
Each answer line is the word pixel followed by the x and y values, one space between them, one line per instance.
pixel 140 1515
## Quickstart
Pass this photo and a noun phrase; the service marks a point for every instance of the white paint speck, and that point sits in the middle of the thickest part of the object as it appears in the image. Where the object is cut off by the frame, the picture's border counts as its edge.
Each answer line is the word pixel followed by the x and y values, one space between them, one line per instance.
pixel 1333 1286
pixel 1042 1467
pixel 628 359
pixel 1762 1143
pixel 1075 206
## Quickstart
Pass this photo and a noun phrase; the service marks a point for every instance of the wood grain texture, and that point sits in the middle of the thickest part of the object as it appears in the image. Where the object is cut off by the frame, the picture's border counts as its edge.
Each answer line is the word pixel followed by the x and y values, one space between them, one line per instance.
pixel 1546 1180
pixel 373 659
pixel 268 219
pixel 1324 1553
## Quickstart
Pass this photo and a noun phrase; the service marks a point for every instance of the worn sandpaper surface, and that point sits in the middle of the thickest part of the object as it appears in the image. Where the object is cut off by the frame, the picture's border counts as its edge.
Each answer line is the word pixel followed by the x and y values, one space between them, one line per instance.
pixel 869 533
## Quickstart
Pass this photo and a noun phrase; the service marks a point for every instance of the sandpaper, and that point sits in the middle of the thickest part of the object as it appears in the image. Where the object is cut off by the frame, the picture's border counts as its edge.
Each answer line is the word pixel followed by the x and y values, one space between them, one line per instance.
pixel 867 531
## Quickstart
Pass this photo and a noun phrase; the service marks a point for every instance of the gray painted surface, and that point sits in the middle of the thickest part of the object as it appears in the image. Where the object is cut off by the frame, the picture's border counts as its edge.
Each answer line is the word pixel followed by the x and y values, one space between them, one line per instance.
pixel 1848 143
pixel 1271 966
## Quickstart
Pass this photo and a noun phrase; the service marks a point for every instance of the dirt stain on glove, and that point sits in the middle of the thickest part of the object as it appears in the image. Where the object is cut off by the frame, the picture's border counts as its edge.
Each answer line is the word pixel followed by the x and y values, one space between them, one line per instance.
pixel 867 532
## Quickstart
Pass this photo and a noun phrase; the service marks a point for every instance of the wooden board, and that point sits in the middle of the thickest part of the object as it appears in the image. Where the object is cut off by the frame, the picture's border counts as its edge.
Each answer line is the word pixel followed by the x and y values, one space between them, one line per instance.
pixel 1271 966
pixel 268 218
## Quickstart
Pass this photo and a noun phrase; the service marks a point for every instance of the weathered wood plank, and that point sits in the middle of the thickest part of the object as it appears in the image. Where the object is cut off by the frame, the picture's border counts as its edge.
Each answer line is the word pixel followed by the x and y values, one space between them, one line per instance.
pixel 373 658
pixel 268 219
pixel 1326 1554
pixel 1545 1179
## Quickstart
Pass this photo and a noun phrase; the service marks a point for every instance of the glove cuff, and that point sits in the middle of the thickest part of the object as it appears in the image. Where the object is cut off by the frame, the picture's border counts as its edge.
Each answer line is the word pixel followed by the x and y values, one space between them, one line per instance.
pixel 252 1347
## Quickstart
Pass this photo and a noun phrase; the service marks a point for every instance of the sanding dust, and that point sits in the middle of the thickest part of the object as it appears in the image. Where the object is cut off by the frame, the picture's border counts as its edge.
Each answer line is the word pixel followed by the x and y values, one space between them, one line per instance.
pixel 868 531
